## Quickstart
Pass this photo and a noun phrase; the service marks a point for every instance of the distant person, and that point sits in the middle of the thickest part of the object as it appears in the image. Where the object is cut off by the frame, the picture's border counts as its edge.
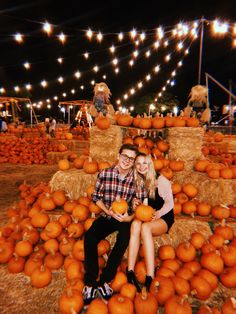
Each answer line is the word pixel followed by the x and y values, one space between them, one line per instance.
pixel 47 125
pixel 3 125
pixel 52 127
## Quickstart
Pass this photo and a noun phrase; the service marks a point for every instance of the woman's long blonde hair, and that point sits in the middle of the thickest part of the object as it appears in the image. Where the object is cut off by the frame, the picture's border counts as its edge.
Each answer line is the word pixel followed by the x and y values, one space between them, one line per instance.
pixel 149 181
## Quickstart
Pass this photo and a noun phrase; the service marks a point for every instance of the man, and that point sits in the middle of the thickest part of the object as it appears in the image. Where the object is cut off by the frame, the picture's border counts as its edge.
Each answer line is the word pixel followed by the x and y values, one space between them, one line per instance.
pixel 112 182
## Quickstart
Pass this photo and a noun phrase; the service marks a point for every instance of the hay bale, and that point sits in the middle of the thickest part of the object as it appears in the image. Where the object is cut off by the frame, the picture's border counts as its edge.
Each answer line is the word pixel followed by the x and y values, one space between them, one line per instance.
pixel 185 143
pixel 73 181
pixel 212 191
pixel 54 157
pixel 105 144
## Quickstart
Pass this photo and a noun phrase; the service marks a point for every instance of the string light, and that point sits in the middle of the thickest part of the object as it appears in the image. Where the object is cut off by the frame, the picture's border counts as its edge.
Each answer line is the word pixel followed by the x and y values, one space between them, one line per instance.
pixel 99 37
pixel 60 60
pixel 112 49
pixel 156 44
pixel 142 36
pixel 60 79
pixel 72 91
pixel 86 55
pixel 140 84
pixel 167 58
pixel 18 37
pixel 77 74
pixel 133 33
pixel 131 62
pixel 82 87
pixel 47 28
pixel 157 68
pixel 2 90
pixel 104 76
pixel 89 34
pixel 27 65
pixel 44 83
pixel 120 36
pixel 55 98
pixel 220 28
pixel 115 61
pixel 95 68
pixel 160 32
pixel 62 38
pixel 117 70
pixel 28 86
pixel 135 53
pixel 92 82
pixel 147 54
pixel 17 89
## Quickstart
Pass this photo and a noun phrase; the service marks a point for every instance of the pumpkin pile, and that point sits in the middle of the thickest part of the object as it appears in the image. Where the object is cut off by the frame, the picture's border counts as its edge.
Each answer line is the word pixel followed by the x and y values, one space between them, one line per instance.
pixel 27 150
pixel 37 240
pixel 157 122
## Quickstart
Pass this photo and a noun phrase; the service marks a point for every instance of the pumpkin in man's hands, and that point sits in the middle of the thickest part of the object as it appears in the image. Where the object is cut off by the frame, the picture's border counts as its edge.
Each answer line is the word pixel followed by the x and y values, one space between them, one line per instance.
pixel 119 206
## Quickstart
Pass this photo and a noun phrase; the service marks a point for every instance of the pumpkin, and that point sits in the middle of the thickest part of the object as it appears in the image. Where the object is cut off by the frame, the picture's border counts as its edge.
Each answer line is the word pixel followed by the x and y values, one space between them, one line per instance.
pixel 162 146
pixel 16 264
pixel 213 262
pixel 228 277
pixel 66 246
pixel 119 206
pixel 176 165
pixel 194 266
pixel 225 231
pixel 53 229
pixel 172 264
pixel 103 247
pixel 74 271
pixel 75 230
pixel 144 212
pixel 201 165
pixel 176 187
pixel 167 172
pixel 203 209
pixel 69 206
pixel 88 223
pixel 90 166
pixel 185 273
pixel 192 122
pixel 190 190
pixel 102 122
pixel 220 212
pixel 177 208
pixel 31 264
pixel 217 240
pixel 124 120
pixel 197 240
pixel 158 123
pixel 40 220
pixel 78 162
pixel 145 303
pixel 51 246
pixel 41 277
pixel 228 254
pixel 128 140
pixel 119 280
pixel 186 252
pixel 63 164
pixel 80 212
pixel 128 290
pixel 71 301
pixel 162 288
pixel 177 305
pixel 164 272
pixel 166 252
pixel 229 307
pixel 140 271
pixel 65 220
pixel 103 165
pixel 76 284
pixel 181 197
pixel 205 309
pixel 158 164
pixel 97 306
pixel 211 278
pixel 119 304
pixel 94 208
pixel 181 285
pixel 226 173
pixel 59 197
pixel 202 288
pixel 23 248
pixel 189 208
pixel 54 261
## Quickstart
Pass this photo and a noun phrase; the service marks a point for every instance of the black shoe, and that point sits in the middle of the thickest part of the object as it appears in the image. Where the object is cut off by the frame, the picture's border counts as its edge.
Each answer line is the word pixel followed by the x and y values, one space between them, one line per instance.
pixel 106 291
pixel 148 282
pixel 89 294
pixel 132 279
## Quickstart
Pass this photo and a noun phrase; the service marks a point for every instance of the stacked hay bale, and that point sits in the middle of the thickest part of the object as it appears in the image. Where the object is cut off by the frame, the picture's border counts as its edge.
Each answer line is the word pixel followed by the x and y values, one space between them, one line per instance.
pixel 73 181
pixel 105 144
pixel 186 144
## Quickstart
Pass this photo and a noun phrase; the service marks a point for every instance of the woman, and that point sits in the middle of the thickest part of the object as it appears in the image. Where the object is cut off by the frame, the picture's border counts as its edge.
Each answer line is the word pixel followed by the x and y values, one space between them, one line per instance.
pixel 160 197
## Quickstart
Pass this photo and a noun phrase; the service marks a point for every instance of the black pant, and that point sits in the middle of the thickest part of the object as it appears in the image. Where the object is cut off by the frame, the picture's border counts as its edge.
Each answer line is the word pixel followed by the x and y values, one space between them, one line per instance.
pixel 100 229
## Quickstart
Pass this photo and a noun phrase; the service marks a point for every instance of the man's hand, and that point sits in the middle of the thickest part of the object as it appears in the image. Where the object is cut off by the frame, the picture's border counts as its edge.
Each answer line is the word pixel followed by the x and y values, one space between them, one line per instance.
pixel 120 217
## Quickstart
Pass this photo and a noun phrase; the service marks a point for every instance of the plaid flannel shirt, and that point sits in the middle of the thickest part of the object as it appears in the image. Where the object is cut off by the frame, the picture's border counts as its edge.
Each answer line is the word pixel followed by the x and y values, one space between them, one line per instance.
pixel 109 185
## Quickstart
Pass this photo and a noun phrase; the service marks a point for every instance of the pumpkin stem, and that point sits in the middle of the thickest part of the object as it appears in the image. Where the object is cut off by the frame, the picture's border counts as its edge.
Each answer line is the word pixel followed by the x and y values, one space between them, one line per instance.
pixel 72 311
pixel 144 293
pixel 223 222
pixel 69 292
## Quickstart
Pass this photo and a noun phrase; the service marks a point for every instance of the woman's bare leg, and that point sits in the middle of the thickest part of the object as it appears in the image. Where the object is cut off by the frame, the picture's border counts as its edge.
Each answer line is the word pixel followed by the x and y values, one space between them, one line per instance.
pixel 148 230
pixel 134 243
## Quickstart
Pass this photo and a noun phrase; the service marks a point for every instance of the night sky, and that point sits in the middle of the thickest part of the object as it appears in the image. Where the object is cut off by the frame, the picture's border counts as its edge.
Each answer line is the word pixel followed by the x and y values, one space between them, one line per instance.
pixel 109 17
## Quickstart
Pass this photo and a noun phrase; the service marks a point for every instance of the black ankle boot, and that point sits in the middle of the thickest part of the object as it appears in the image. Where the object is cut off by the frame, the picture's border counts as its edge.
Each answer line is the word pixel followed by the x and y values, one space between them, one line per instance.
pixel 148 282
pixel 132 279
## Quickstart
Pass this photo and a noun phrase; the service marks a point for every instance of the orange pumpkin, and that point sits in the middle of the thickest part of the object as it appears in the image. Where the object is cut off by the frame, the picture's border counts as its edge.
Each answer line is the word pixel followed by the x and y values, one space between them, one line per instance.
pixel 201 287
pixel 41 277
pixel 177 305
pixel 228 277
pixel 128 290
pixel 190 190
pixel 119 280
pixel 162 288
pixel 90 166
pixel 63 164
pixel 97 306
pixel 186 252
pixel 181 285
pixel 213 262
pixel 144 212
pixel 166 252
pixel 102 122
pixel 119 304
pixel 145 303
pixel 71 301
pixel 119 206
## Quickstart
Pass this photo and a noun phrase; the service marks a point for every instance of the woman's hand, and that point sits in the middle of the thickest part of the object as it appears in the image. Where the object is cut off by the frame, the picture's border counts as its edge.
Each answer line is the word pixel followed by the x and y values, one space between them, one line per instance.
pixel 135 203
pixel 156 215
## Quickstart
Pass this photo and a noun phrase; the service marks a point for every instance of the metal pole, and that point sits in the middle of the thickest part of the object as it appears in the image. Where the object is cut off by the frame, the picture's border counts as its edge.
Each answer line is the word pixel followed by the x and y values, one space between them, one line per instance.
pixel 200 51
pixel 31 116
pixel 69 114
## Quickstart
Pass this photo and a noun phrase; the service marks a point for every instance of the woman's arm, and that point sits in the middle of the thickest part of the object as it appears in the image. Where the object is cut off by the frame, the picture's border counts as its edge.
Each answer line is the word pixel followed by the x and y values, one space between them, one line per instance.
pixel 165 191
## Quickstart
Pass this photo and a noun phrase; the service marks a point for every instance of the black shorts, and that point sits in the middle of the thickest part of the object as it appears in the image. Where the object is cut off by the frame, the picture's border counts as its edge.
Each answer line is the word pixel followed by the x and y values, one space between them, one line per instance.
pixel 169 219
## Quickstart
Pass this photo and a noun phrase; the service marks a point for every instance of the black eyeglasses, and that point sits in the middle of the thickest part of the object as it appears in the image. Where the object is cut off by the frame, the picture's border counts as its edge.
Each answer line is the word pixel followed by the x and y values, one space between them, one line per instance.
pixel 127 158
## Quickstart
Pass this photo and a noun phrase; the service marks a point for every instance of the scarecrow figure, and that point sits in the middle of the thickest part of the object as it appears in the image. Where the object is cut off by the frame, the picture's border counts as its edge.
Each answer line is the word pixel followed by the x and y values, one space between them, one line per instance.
pixel 199 99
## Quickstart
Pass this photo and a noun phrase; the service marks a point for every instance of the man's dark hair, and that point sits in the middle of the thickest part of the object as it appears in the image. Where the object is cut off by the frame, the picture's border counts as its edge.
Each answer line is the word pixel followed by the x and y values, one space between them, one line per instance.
pixel 130 147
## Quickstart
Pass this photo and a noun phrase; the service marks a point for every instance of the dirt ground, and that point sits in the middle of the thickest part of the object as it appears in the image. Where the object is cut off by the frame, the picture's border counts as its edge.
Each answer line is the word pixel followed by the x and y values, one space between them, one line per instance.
pixel 16 294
